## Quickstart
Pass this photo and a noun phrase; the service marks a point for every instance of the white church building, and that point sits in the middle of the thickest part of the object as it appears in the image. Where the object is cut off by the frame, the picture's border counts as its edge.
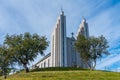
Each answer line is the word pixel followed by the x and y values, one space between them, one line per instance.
pixel 63 53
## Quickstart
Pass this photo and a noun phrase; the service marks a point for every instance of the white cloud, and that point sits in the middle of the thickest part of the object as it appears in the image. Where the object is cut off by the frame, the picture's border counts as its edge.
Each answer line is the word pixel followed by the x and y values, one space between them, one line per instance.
pixel 109 61
pixel 107 23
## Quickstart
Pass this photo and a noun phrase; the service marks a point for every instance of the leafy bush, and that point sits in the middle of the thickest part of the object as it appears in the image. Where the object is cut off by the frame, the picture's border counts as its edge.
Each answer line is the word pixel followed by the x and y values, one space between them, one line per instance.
pixel 57 69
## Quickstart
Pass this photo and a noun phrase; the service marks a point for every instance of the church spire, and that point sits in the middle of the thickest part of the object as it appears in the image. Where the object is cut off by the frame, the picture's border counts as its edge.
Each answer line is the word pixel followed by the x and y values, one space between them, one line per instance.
pixel 61 9
pixel 62 12
pixel 83 19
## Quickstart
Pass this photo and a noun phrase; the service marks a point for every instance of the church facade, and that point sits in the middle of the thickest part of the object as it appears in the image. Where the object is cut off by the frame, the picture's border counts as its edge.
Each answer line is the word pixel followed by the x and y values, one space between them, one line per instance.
pixel 63 53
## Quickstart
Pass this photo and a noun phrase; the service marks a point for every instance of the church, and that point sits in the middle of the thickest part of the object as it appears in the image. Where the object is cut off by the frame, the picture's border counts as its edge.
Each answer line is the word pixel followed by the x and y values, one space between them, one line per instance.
pixel 63 52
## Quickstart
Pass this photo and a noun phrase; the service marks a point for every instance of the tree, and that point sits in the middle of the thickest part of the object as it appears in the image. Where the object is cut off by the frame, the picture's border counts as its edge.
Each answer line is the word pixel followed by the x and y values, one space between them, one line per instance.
pixel 82 45
pixel 5 61
pixel 91 49
pixel 25 47
pixel 98 48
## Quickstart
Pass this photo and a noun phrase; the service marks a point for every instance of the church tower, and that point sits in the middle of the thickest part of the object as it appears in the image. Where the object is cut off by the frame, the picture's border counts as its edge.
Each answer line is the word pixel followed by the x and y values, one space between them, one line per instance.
pixel 58 44
pixel 83 28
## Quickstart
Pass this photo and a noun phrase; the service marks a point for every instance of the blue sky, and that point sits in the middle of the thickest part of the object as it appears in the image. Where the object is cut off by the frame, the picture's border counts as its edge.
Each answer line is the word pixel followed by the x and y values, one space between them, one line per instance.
pixel 39 16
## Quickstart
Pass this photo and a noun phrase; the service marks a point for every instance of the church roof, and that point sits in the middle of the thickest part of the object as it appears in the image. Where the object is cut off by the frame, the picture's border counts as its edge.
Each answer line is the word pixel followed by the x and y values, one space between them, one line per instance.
pixel 48 55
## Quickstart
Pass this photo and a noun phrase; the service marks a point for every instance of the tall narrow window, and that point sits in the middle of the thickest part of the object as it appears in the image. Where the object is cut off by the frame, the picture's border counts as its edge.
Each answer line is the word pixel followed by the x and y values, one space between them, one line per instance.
pixel 48 62
pixel 44 64
pixel 41 65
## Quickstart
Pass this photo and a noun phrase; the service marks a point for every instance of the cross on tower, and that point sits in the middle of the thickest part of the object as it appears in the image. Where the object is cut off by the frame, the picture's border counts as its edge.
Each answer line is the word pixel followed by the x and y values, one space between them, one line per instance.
pixel 72 34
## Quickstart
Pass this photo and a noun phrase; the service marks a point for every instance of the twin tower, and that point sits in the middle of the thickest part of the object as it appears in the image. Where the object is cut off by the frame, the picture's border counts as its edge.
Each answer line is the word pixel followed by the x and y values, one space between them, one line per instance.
pixel 63 53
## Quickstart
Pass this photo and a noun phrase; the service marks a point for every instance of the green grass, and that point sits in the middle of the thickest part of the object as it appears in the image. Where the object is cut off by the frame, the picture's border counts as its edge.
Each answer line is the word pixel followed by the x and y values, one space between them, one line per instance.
pixel 65 75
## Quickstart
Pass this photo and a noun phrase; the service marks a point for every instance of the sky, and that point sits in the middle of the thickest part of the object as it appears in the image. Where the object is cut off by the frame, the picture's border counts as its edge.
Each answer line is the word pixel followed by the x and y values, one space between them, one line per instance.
pixel 39 16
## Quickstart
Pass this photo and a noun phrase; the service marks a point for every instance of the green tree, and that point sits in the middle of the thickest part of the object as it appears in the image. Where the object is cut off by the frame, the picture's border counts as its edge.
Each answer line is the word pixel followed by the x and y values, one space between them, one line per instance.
pixel 91 49
pixel 98 48
pixel 5 61
pixel 82 45
pixel 25 47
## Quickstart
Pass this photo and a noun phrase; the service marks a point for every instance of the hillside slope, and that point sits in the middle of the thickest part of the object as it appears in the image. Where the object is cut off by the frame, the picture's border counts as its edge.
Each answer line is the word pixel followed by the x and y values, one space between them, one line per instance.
pixel 65 75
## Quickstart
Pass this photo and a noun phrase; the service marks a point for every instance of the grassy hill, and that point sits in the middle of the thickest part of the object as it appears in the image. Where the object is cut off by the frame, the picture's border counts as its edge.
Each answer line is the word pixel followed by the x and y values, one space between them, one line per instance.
pixel 65 75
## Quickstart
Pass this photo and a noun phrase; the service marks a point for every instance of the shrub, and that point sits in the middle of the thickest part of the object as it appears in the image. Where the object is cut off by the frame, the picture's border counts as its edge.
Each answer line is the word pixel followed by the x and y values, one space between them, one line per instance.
pixel 57 69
